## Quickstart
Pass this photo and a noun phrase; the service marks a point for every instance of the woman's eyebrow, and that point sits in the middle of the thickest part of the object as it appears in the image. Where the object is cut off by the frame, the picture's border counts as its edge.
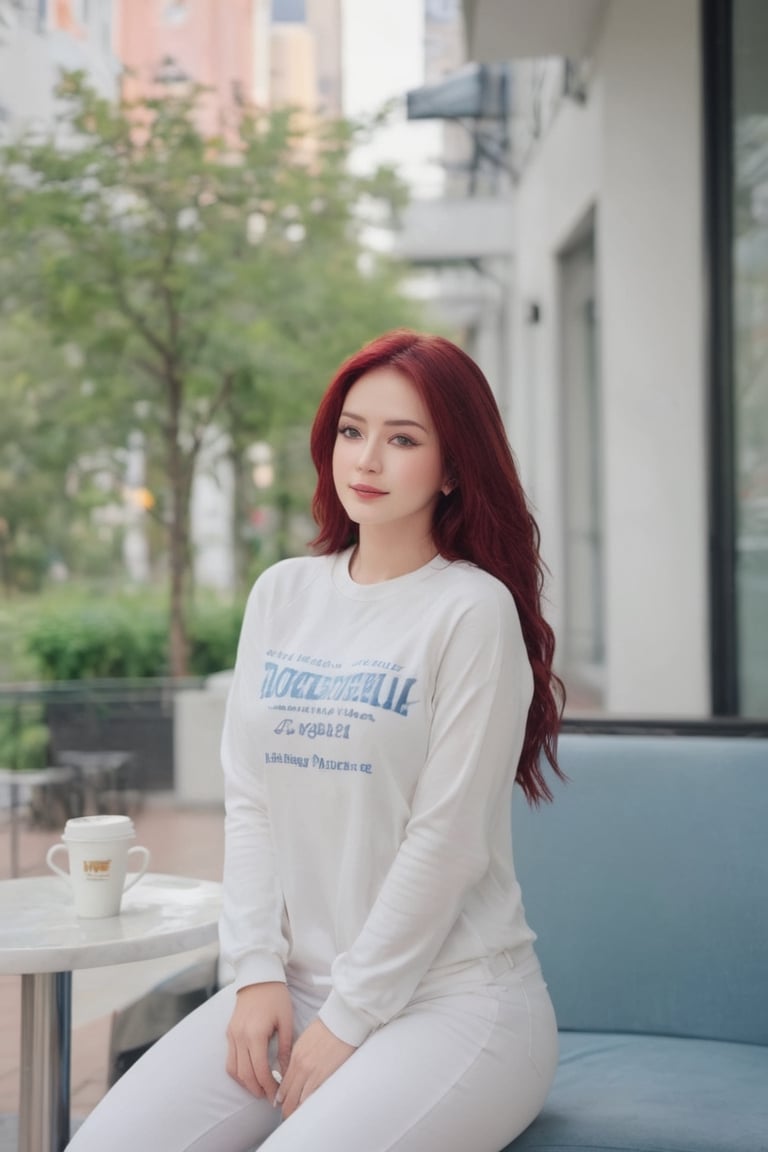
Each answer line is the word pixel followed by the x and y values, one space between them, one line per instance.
pixel 388 423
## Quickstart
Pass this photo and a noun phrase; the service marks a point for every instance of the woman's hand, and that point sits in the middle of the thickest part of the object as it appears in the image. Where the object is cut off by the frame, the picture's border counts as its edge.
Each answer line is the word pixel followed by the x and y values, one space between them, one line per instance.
pixel 316 1055
pixel 260 1011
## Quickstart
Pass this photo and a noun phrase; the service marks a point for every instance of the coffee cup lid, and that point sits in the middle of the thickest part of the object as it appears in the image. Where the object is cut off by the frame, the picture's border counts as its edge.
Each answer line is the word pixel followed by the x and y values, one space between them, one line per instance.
pixel 99 828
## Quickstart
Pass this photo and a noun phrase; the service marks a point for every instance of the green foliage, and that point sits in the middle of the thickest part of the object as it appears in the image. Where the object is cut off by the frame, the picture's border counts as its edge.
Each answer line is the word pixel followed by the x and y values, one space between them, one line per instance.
pixel 124 639
pixel 99 642
pixel 178 284
pixel 24 737
pixel 24 561
pixel 16 616
pixel 35 453
pixel 214 632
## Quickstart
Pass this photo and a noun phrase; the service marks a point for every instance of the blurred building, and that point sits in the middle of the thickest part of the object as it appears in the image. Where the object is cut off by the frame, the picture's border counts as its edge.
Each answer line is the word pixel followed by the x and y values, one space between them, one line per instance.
pixel 265 52
pixel 633 363
pixel 324 20
pixel 305 66
pixel 293 65
pixel 461 240
pixel 165 43
pixel 39 39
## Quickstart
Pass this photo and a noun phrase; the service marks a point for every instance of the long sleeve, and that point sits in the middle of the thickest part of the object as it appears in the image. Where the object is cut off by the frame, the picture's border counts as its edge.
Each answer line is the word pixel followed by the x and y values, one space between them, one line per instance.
pixel 253 934
pixel 480 704
pixel 370 746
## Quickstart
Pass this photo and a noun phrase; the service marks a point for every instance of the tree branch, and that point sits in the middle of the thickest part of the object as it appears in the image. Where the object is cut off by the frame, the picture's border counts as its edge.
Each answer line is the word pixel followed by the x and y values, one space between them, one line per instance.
pixel 139 322
pixel 217 403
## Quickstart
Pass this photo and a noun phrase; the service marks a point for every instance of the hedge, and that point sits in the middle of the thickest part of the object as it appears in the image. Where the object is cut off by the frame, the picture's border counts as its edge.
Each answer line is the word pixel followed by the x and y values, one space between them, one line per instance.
pixel 114 640
pixel 24 736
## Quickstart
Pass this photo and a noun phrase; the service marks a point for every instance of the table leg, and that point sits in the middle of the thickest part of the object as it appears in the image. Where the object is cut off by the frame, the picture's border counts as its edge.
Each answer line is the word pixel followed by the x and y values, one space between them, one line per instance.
pixel 14 828
pixel 46 1020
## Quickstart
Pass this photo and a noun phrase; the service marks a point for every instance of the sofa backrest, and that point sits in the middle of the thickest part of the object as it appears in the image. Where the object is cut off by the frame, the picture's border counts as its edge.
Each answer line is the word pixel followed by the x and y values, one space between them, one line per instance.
pixel 647 883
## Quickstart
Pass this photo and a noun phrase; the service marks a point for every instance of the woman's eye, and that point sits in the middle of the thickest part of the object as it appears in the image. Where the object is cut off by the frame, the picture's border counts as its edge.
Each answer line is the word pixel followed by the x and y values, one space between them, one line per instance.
pixel 349 432
pixel 403 441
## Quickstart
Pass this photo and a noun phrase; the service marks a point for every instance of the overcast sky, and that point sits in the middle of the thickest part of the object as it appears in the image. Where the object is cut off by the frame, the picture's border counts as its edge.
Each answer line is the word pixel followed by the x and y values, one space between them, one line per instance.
pixel 383 53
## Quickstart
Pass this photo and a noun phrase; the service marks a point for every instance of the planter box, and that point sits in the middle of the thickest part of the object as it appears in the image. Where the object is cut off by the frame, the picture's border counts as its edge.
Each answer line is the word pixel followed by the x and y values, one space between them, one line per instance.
pixel 199 719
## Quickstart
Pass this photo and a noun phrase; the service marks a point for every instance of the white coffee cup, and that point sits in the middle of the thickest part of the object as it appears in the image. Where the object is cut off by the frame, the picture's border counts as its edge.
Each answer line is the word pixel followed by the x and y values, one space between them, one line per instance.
pixel 99 850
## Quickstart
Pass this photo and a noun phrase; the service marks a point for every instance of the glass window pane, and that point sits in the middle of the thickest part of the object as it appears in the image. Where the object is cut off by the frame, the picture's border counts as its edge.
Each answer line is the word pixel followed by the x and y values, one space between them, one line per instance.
pixel 750 305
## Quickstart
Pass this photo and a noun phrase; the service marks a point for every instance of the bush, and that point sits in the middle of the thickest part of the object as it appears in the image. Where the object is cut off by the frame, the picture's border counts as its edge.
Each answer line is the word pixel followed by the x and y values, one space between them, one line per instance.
pixel 213 636
pixel 99 642
pixel 24 737
pixel 117 640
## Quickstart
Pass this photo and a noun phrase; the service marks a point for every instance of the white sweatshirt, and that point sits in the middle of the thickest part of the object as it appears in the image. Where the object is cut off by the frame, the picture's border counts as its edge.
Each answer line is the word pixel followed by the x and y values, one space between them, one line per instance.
pixel 370 746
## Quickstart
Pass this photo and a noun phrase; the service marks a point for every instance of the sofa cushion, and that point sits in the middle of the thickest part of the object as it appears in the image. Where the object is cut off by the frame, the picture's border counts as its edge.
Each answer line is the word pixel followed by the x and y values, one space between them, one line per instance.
pixel 646 882
pixel 653 1094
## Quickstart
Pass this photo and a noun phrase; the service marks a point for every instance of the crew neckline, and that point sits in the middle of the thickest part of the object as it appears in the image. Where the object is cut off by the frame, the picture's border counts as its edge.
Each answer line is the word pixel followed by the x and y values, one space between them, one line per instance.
pixel 344 583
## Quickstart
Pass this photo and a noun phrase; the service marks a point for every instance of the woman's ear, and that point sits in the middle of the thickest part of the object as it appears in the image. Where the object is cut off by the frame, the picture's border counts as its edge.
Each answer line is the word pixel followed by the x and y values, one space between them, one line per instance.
pixel 449 486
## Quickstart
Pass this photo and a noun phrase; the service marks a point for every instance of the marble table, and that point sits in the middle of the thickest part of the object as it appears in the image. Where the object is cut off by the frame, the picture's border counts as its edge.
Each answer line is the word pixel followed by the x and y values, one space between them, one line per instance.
pixel 42 939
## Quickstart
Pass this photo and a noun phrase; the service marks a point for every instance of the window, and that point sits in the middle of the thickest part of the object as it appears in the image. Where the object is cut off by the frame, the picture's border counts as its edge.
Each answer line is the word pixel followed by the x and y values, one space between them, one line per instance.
pixel 584 623
pixel 749 255
pixel 735 43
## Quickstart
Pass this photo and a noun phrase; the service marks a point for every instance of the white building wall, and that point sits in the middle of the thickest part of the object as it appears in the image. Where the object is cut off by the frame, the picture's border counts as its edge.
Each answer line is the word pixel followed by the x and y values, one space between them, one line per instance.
pixel 631 154
pixel 650 253
pixel 559 189
pixel 32 59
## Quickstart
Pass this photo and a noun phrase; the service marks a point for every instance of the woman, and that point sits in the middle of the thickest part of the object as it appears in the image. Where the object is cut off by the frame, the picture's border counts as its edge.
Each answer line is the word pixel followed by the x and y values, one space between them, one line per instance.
pixel 388 692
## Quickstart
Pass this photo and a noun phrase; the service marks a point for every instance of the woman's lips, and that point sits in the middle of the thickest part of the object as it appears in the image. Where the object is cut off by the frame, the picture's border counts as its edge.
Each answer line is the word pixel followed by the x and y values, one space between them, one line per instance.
pixel 367 493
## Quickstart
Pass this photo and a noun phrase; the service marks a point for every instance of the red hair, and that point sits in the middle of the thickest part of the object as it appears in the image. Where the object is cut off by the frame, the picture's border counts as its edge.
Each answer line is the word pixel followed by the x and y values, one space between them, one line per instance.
pixel 485 519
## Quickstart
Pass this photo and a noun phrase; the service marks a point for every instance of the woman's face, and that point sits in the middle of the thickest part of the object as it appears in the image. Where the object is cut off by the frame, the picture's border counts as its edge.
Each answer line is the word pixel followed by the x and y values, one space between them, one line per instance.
pixel 387 464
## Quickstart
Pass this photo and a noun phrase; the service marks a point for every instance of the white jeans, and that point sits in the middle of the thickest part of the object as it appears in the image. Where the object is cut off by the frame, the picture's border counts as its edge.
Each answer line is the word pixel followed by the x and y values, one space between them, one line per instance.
pixel 465 1067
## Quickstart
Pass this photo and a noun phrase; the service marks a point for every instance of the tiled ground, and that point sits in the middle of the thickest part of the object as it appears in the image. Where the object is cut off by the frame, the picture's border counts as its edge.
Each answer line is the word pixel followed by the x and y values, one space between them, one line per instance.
pixel 183 841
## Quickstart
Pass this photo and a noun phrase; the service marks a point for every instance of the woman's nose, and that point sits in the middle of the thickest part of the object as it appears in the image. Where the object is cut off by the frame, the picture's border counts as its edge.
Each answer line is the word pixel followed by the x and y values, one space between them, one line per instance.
pixel 369 459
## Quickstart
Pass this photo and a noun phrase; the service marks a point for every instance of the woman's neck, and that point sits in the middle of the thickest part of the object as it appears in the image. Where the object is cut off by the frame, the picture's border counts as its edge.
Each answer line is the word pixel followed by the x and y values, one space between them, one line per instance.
pixel 378 557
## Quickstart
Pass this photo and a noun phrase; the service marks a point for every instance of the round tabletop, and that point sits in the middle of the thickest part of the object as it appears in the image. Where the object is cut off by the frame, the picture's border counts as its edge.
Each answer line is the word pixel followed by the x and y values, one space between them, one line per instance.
pixel 161 915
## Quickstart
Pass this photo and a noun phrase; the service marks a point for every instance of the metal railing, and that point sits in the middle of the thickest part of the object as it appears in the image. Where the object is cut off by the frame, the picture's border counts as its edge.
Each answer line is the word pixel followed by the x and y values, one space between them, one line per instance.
pixel 129 716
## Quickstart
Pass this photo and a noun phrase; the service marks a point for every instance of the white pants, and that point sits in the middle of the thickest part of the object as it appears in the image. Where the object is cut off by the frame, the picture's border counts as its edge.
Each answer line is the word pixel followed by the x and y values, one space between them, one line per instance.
pixel 465 1067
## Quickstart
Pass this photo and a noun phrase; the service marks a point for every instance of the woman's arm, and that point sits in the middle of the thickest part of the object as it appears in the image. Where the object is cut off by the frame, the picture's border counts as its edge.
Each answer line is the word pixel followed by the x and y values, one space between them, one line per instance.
pixel 252 933
pixel 481 703
pixel 253 940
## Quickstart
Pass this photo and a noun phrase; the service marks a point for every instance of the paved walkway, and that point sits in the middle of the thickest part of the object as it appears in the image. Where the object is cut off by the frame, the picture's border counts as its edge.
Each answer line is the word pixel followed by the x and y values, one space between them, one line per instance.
pixel 186 841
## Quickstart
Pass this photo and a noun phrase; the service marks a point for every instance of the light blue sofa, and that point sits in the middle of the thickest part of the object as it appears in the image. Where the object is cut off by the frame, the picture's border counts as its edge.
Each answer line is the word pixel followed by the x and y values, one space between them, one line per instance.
pixel 647 883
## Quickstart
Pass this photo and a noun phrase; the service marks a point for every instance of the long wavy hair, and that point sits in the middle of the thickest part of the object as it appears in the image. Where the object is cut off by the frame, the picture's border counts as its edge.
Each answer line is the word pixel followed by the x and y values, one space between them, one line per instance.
pixel 485 519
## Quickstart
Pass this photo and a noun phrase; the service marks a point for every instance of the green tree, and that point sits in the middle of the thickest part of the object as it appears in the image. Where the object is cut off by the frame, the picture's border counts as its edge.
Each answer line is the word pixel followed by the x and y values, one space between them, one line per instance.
pixel 205 282
pixel 39 510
